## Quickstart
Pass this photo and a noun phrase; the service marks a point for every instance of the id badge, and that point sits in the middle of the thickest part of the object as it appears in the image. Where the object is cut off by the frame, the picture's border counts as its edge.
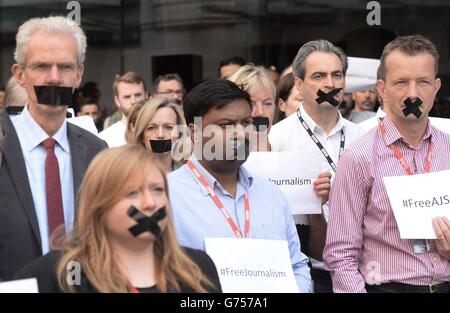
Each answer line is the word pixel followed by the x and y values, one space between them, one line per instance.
pixel 420 246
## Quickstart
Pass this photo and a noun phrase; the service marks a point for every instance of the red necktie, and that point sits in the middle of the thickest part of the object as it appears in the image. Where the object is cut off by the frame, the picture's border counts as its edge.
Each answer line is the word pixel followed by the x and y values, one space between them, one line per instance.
pixel 53 193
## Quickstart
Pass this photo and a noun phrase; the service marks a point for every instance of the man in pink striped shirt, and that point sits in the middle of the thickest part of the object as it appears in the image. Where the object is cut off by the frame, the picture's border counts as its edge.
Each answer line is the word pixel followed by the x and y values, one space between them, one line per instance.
pixel 364 251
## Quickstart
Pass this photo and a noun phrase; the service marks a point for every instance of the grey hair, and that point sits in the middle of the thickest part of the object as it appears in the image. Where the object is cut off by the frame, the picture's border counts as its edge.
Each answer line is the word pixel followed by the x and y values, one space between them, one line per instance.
pixel 53 25
pixel 15 94
pixel 320 45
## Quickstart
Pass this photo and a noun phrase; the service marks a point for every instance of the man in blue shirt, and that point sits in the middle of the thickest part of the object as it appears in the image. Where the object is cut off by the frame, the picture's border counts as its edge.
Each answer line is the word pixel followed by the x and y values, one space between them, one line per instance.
pixel 213 195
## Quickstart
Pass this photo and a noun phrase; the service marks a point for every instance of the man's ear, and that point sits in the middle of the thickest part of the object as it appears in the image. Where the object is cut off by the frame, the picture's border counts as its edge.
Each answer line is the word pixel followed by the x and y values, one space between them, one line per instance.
pixel 381 88
pixel 18 71
pixel 116 101
pixel 299 85
pixel 437 85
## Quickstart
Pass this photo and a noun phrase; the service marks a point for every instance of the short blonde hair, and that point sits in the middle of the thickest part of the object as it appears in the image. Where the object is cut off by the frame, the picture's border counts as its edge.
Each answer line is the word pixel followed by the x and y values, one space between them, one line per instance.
pixel 250 77
pixel 132 117
pixel 145 115
pixel 52 25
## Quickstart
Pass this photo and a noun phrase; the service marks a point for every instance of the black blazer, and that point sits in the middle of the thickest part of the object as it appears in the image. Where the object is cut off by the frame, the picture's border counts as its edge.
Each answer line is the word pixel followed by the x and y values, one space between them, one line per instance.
pixel 20 241
pixel 44 270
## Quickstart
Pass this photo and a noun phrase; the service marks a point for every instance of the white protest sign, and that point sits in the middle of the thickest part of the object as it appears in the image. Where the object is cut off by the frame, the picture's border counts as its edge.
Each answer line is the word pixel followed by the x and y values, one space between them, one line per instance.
pixel 443 124
pixel 361 74
pixel 29 285
pixel 416 199
pixel 85 122
pixel 293 172
pixel 252 265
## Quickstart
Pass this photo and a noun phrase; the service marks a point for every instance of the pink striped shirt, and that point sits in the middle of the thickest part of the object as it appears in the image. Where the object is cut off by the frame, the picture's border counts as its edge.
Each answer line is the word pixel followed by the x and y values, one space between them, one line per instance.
pixel 363 242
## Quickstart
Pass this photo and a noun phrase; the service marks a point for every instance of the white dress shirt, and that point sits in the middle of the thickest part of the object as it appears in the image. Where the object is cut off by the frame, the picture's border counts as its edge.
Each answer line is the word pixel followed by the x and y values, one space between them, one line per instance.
pixel 290 135
pixel 373 121
pixel 31 136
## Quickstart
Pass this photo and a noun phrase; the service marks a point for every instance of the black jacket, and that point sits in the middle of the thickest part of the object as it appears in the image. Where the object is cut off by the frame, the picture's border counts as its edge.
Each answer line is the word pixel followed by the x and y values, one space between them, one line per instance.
pixel 20 240
pixel 44 270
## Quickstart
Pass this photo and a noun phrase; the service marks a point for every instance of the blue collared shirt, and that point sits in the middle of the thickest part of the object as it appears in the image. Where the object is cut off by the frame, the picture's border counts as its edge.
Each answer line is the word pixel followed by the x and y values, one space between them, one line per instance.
pixel 31 136
pixel 196 216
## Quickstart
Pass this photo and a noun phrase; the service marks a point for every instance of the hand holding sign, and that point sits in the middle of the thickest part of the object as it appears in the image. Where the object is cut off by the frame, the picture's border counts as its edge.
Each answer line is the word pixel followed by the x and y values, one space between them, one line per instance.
pixel 441 226
pixel 322 186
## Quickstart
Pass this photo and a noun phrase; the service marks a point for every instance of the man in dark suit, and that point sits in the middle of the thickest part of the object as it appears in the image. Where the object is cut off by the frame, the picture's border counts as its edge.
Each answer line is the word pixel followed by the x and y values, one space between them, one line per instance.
pixel 43 157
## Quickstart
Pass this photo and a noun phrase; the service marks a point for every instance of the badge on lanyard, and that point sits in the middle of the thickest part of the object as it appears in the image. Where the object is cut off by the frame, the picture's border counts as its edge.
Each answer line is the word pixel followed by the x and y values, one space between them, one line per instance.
pixel 421 246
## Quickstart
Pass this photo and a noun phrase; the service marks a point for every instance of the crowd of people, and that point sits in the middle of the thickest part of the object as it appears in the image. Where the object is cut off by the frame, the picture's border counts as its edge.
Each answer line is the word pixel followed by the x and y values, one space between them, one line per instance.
pixel 132 201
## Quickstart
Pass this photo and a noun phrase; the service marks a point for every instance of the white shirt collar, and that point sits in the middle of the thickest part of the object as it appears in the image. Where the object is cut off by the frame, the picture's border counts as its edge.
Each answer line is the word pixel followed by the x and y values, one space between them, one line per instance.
pixel 340 125
pixel 245 177
pixel 380 113
pixel 35 135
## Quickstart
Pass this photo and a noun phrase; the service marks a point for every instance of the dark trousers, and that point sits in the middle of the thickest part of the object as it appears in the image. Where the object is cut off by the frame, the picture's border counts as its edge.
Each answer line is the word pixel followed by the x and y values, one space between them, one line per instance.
pixel 321 278
pixel 405 288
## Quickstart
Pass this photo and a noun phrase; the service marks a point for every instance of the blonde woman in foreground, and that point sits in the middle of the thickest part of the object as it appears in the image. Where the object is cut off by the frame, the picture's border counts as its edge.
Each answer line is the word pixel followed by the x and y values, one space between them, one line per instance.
pixel 124 238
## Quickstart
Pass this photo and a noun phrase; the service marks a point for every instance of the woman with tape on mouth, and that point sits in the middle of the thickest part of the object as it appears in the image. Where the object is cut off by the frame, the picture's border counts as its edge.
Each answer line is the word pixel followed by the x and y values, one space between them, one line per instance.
pixel 156 127
pixel 124 239
pixel 262 90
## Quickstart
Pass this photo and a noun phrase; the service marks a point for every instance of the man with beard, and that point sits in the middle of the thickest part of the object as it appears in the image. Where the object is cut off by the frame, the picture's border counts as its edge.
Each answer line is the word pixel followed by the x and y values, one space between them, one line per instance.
pixel 365 102
pixel 128 89
pixel 213 195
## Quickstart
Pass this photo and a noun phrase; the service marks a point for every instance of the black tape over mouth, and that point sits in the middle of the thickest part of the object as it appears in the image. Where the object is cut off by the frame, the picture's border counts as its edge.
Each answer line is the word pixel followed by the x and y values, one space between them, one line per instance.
pixel 146 223
pixel 54 95
pixel 261 123
pixel 161 146
pixel 328 96
pixel 412 107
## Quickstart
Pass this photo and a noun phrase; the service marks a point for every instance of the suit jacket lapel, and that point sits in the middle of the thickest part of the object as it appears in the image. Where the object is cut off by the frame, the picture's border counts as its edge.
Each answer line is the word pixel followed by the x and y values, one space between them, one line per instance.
pixel 78 152
pixel 12 152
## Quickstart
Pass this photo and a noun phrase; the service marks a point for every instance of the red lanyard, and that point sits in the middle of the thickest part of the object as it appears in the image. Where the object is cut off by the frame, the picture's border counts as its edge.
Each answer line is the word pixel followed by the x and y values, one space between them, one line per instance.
pixel 221 207
pixel 398 154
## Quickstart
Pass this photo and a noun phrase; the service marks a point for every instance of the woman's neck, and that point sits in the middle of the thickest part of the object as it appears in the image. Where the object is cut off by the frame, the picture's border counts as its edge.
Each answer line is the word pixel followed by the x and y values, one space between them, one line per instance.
pixel 138 264
pixel 166 160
